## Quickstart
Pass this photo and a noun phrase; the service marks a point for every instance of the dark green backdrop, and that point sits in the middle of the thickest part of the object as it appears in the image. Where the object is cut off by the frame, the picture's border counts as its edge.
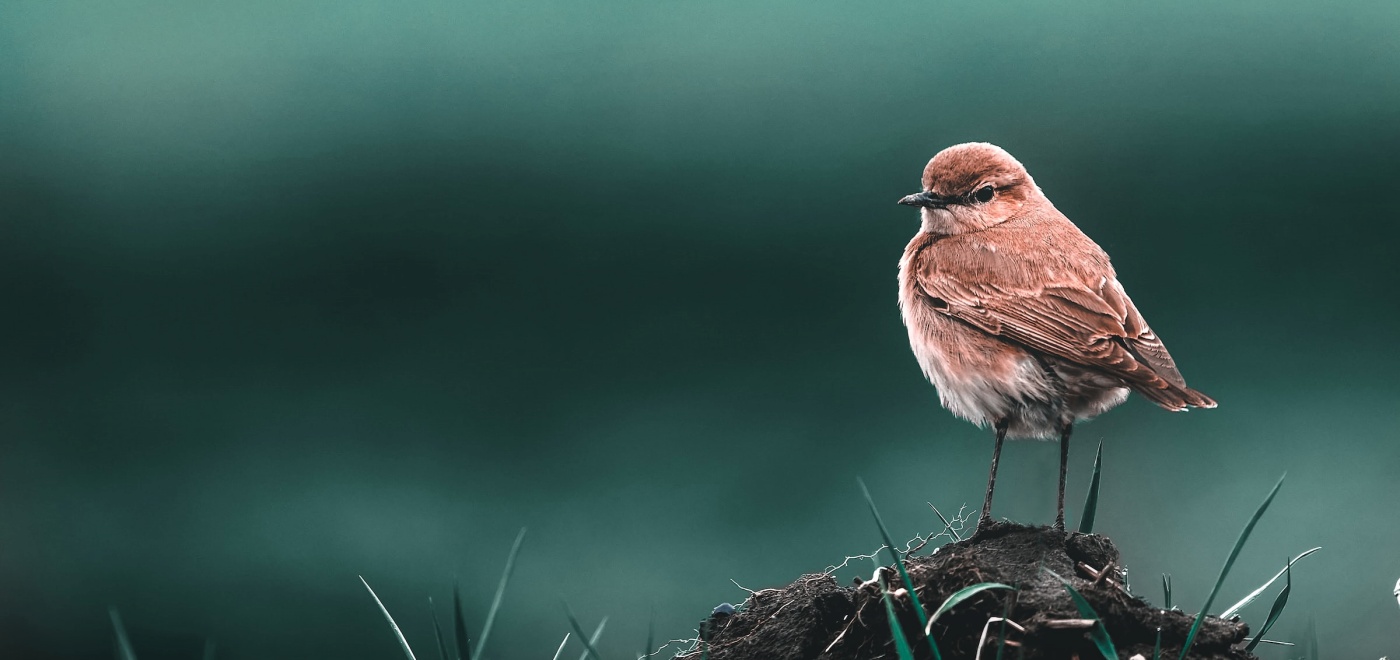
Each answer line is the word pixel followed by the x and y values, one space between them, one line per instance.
pixel 295 291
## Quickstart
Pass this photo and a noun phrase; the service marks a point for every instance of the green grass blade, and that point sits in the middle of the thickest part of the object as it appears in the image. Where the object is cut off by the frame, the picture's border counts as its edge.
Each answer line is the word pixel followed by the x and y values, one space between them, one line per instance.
pixel 1277 609
pixel 1098 633
pixel 124 650
pixel 588 648
pixel 437 630
pixel 903 574
pixel 1157 646
pixel 651 635
pixel 1225 570
pixel 946 525
pixel 459 625
pixel 1001 634
pixel 1091 501
pixel 593 640
pixel 560 650
pixel 966 593
pixel 387 617
pixel 1167 590
pixel 1312 640
pixel 901 643
pixel 209 649
pixel 500 593
pixel 1234 609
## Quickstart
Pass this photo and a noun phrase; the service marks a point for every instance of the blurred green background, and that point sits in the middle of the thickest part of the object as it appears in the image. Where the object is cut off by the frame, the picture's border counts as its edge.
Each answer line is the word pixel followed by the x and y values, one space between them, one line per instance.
pixel 296 291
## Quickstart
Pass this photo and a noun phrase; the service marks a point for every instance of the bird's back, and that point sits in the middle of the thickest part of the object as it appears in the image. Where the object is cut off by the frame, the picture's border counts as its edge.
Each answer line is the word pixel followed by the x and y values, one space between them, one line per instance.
pixel 1041 288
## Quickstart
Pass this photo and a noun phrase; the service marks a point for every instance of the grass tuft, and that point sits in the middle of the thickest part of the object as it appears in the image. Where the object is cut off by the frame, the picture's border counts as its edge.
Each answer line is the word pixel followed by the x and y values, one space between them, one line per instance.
pixel 1234 609
pixel 903 574
pixel 1091 501
pixel 500 593
pixel 1277 609
pixel 124 650
pixel 1098 633
pixel 387 617
pixel 1225 570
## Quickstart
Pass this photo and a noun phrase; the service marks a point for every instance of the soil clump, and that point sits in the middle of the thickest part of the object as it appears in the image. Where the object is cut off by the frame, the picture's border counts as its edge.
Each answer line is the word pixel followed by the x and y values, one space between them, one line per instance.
pixel 816 618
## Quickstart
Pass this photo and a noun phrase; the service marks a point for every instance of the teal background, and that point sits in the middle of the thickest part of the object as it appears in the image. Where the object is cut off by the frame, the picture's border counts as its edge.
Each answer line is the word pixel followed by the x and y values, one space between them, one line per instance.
pixel 299 291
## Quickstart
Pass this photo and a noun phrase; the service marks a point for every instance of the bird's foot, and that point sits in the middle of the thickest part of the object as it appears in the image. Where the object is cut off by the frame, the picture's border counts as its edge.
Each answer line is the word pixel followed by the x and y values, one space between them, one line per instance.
pixel 983 524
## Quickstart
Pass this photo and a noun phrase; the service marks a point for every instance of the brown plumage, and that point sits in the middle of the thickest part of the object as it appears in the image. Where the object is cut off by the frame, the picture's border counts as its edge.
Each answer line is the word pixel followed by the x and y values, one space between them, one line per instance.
pixel 1015 315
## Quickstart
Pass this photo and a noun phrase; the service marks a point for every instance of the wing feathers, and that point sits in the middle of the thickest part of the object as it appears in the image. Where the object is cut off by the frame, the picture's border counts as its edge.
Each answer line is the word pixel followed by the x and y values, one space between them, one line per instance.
pixel 1095 326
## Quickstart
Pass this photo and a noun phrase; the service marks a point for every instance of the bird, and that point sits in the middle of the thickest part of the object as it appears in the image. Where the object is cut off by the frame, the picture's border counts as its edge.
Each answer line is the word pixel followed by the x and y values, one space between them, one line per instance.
pixel 1015 316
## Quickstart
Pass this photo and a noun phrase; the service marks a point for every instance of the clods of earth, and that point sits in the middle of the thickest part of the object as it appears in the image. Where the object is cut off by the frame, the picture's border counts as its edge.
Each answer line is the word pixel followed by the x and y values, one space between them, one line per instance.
pixel 817 618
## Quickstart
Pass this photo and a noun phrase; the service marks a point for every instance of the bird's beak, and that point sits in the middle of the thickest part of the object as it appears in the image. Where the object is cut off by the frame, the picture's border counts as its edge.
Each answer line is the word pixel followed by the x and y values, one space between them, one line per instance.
pixel 924 199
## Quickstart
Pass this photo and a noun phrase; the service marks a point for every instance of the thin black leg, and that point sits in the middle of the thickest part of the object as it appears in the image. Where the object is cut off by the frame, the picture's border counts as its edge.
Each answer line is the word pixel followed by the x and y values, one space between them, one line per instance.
pixel 1064 462
pixel 1001 427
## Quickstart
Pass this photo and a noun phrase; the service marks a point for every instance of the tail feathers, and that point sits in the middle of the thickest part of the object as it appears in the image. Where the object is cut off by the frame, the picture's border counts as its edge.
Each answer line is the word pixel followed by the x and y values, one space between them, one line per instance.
pixel 1173 398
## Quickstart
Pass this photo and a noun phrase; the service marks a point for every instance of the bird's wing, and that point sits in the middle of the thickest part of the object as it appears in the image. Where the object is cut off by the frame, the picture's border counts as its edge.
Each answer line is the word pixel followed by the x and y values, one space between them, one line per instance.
pixel 1095 326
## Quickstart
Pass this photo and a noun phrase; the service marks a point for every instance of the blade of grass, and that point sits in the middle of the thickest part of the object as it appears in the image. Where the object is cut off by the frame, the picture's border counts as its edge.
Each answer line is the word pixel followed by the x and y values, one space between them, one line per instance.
pixel 901 643
pixel 561 646
pixel 1091 501
pixel 459 625
pixel 1225 570
pixel 124 650
pixel 209 648
pixel 1098 633
pixel 946 525
pixel 1167 590
pixel 387 617
pixel 1277 609
pixel 437 630
pixel 1234 609
pixel 964 594
pixel 903 574
pixel 1312 640
pixel 1157 646
pixel 500 593
pixel 1001 634
pixel 651 634
pixel 593 640
pixel 588 649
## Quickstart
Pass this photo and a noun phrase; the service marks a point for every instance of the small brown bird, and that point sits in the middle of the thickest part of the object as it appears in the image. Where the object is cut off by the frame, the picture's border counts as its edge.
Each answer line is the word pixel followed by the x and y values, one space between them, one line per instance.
pixel 1015 315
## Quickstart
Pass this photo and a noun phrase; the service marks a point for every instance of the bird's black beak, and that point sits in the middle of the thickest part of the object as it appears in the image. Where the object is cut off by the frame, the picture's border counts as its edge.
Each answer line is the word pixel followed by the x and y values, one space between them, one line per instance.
pixel 925 199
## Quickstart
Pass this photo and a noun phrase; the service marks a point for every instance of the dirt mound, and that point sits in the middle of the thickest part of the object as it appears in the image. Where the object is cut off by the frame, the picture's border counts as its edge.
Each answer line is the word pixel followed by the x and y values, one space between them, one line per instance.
pixel 815 617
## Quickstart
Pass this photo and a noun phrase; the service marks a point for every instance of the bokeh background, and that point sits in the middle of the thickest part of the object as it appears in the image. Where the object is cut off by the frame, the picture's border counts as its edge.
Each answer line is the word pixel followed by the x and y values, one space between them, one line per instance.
pixel 299 291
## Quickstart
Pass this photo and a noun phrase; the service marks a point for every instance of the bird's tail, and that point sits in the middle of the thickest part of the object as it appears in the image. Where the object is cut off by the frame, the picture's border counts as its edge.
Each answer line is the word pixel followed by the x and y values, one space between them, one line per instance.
pixel 1172 397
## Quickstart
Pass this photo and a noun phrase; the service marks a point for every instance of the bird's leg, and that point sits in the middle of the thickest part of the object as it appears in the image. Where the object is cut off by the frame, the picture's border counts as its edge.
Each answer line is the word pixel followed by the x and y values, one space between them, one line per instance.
pixel 1001 426
pixel 1064 462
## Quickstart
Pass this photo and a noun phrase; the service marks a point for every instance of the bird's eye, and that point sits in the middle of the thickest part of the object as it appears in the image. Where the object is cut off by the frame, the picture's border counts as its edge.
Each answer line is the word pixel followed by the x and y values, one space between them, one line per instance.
pixel 984 194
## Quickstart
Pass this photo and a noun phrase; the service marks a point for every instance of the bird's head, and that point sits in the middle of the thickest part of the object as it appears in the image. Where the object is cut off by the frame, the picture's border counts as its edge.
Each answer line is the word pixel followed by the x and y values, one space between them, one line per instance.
pixel 970 187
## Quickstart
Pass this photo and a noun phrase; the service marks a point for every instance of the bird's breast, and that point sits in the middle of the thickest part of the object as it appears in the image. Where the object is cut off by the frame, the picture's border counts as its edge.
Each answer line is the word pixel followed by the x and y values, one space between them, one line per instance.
pixel 979 377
